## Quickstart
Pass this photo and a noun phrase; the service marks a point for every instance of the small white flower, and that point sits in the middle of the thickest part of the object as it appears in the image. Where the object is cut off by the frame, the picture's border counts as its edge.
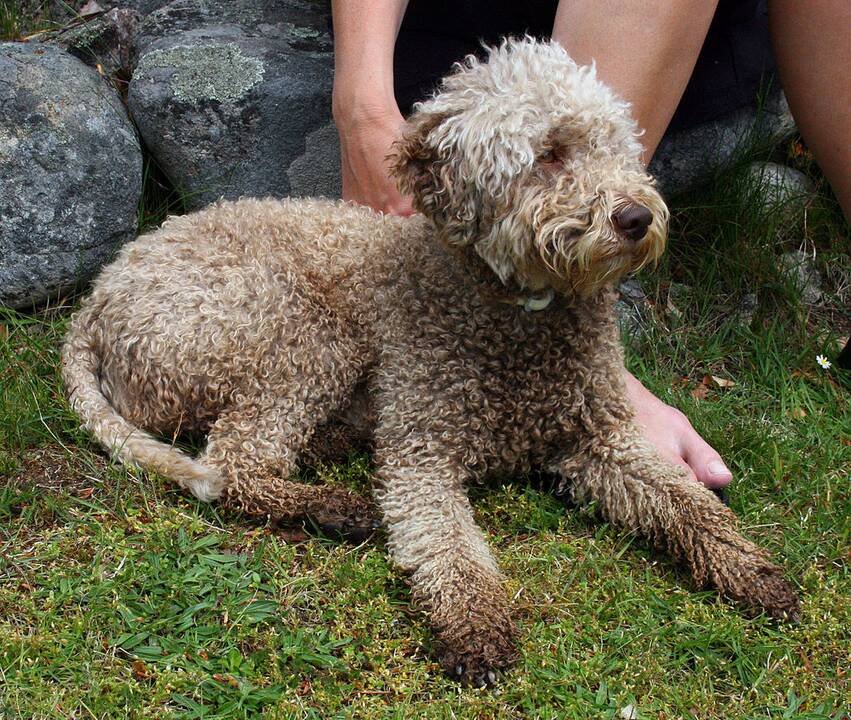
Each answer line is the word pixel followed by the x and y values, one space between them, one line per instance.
pixel 823 361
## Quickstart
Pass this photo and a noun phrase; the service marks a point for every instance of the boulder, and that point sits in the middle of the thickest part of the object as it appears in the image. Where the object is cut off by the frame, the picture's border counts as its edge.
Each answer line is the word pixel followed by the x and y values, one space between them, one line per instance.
pixel 630 308
pixel 143 7
pixel 232 97
pixel 746 310
pixel 687 158
pixel 70 173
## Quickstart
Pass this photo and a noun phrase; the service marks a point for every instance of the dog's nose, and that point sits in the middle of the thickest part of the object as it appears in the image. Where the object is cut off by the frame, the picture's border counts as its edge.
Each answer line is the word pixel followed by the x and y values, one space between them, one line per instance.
pixel 632 221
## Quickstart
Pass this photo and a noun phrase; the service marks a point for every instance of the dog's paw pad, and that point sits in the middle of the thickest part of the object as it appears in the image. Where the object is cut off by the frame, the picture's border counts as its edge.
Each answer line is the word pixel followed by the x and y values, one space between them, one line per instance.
pixel 475 676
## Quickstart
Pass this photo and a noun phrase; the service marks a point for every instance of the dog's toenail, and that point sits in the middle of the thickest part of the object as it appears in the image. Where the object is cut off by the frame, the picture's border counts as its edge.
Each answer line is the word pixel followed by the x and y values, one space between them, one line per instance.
pixel 491 677
pixel 632 221
pixel 459 670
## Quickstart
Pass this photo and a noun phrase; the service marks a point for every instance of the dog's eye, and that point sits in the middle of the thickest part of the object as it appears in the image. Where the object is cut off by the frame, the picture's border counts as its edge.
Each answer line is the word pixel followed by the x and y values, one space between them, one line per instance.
pixel 550 157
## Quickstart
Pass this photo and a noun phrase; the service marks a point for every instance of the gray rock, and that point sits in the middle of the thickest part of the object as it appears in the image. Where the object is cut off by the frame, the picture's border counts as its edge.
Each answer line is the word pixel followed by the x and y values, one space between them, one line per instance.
pixel 143 7
pixel 687 158
pixel 317 172
pixel 746 309
pixel 70 173
pixel 630 320
pixel 800 269
pixel 107 40
pixel 232 97
pixel 630 308
pixel 780 191
pixel 630 289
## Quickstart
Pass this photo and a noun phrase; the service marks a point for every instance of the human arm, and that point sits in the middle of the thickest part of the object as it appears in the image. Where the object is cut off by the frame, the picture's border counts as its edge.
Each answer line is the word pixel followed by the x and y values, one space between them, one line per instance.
pixel 364 106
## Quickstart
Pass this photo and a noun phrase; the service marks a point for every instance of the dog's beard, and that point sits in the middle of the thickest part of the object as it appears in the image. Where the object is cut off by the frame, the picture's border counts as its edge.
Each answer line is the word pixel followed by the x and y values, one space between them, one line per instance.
pixel 572 249
pixel 587 260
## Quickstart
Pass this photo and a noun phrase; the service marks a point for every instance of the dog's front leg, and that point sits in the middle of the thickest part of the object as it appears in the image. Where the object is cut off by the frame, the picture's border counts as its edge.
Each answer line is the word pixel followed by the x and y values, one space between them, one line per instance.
pixel 636 489
pixel 435 541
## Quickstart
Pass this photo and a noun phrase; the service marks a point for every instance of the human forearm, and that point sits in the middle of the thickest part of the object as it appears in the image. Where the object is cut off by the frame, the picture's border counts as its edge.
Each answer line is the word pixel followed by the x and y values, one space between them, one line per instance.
pixel 364 37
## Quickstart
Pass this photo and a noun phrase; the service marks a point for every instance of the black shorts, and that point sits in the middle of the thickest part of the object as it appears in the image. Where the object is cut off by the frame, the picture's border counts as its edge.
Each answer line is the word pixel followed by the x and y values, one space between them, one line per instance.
pixel 734 64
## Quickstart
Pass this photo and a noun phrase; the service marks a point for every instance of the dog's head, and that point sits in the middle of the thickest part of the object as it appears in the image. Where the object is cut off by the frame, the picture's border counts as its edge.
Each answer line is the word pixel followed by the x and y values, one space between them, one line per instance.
pixel 533 162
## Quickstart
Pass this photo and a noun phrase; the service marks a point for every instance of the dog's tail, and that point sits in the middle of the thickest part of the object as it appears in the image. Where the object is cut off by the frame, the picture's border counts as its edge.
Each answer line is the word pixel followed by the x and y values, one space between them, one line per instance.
pixel 81 373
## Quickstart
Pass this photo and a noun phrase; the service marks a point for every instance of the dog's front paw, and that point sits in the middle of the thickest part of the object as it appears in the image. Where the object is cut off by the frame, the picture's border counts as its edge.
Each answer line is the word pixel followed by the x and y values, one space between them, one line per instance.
pixel 762 587
pixel 743 573
pixel 476 650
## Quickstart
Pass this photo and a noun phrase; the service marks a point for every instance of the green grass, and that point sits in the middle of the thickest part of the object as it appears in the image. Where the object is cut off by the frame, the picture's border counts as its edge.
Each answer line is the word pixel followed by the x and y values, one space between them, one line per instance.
pixel 20 19
pixel 121 597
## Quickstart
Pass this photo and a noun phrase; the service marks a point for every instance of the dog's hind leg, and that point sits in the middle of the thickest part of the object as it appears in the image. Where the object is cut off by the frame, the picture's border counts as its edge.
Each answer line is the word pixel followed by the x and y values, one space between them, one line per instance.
pixel 636 489
pixel 434 539
pixel 256 445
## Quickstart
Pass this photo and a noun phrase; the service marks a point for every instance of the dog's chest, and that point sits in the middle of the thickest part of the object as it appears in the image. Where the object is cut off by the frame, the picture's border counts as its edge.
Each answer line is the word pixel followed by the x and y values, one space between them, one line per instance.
pixel 507 387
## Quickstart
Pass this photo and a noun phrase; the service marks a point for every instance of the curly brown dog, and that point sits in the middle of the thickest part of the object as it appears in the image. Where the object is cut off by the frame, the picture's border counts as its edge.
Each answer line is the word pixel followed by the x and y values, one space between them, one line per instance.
pixel 473 339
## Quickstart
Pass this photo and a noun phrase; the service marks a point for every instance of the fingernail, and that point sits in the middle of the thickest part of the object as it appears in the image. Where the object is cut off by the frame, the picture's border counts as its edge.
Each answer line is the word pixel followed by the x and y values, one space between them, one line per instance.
pixel 719 469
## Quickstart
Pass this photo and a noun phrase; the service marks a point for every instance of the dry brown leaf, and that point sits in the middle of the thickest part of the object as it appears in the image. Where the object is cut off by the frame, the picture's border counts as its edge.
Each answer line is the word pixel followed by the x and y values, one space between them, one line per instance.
pixel 229 679
pixel 799 151
pixel 798 413
pixel 141 671
pixel 700 392
pixel 723 382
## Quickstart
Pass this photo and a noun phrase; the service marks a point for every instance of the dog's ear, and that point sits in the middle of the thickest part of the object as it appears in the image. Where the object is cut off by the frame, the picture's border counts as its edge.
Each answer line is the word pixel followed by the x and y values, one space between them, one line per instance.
pixel 426 164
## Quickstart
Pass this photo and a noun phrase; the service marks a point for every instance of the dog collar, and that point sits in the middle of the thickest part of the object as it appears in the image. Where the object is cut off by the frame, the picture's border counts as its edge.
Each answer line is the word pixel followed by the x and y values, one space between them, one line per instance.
pixel 533 303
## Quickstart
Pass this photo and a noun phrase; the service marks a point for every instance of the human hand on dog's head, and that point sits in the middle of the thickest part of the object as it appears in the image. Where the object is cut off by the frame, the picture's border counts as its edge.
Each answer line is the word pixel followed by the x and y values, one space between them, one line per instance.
pixel 533 162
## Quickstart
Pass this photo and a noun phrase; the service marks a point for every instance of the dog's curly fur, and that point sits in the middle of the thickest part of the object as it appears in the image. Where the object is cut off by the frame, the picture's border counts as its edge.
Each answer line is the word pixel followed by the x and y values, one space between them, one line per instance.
pixel 287 329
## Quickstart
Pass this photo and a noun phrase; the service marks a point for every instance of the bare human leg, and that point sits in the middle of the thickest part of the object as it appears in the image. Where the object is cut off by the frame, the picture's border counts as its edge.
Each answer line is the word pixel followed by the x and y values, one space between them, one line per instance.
pixel 811 43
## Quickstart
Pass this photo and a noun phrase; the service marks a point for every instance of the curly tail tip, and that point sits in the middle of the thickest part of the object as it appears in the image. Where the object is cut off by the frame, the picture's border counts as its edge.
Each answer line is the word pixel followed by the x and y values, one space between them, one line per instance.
pixel 133 446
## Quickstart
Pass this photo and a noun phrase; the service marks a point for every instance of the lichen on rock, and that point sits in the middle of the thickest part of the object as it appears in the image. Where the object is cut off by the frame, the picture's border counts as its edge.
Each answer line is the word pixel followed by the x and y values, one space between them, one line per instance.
pixel 205 72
